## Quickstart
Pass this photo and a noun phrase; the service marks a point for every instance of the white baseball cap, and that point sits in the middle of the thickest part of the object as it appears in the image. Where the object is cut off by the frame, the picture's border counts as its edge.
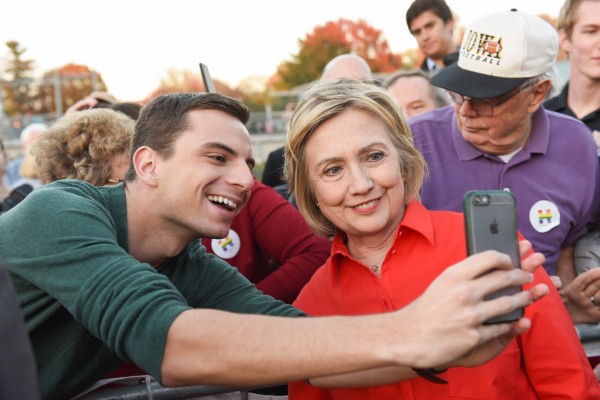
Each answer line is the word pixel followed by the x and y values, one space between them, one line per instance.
pixel 499 52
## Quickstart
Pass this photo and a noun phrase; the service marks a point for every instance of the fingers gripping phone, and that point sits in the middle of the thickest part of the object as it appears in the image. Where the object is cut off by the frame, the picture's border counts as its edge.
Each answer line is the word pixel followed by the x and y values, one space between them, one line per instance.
pixel 491 224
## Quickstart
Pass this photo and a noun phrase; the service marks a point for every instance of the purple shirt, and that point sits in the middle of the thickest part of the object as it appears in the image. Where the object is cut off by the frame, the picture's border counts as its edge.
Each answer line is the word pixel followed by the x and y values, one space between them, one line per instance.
pixel 554 178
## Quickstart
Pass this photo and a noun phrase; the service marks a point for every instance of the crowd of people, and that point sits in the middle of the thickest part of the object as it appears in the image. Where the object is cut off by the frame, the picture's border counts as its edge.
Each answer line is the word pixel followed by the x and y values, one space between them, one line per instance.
pixel 342 272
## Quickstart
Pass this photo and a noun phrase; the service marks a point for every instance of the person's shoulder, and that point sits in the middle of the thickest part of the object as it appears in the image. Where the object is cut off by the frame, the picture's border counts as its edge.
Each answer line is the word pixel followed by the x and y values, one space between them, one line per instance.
pixel 426 128
pixel 315 292
pixel 565 123
pixel 439 115
pixel 277 153
pixel 444 217
pixel 449 228
pixel 69 186
pixel 558 102
pixel 63 194
pixel 324 274
pixel 58 207
pixel 553 103
pixel 275 160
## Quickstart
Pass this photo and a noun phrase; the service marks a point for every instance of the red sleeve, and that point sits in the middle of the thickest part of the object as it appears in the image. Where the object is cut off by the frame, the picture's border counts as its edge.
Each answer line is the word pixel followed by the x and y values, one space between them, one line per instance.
pixel 283 235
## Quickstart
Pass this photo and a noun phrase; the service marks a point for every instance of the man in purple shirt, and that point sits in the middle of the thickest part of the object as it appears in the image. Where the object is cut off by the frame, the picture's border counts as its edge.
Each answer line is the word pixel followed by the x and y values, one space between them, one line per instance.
pixel 498 136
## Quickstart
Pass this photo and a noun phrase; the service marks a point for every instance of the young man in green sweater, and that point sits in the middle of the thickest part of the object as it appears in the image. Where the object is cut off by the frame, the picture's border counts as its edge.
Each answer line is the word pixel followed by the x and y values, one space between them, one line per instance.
pixel 116 273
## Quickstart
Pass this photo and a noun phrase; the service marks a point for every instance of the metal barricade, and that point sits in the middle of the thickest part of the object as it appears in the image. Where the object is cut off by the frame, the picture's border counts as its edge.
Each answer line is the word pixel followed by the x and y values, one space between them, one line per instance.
pixel 589 335
pixel 144 387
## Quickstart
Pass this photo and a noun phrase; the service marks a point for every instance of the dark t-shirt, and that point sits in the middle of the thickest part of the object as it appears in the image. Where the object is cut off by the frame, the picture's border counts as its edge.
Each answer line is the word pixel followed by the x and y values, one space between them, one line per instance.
pixel 560 104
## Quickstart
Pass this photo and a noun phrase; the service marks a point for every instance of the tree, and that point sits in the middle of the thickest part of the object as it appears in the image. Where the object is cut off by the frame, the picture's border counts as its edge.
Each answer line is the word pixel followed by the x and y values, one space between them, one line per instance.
pixel 16 92
pixel 17 68
pixel 330 40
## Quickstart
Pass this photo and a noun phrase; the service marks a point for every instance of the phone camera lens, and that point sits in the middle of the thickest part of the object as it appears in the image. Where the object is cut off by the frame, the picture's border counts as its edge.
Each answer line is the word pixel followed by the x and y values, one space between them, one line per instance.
pixel 481 200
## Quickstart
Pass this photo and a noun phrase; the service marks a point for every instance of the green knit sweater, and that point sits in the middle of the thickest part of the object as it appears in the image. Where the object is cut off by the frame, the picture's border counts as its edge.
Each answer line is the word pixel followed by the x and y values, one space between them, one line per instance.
pixel 88 304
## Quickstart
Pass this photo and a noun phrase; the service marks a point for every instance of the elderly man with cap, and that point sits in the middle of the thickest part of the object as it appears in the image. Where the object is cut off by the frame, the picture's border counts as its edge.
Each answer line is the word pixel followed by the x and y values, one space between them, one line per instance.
pixel 498 136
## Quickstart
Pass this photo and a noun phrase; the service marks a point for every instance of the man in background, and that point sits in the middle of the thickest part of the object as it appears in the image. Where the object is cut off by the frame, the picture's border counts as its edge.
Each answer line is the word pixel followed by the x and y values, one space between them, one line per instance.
pixel 579 33
pixel 27 137
pixel 413 92
pixel 432 25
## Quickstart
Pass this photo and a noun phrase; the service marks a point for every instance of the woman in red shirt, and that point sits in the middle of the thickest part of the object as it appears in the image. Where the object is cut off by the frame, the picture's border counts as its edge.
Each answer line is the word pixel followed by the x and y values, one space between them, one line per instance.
pixel 355 173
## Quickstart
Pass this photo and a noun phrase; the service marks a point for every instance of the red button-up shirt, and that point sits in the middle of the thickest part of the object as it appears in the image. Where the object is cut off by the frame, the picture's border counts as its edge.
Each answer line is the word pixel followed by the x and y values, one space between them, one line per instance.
pixel 547 361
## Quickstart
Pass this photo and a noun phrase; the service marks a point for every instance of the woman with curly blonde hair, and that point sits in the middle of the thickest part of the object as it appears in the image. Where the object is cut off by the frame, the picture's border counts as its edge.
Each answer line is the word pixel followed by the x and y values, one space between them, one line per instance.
pixel 91 145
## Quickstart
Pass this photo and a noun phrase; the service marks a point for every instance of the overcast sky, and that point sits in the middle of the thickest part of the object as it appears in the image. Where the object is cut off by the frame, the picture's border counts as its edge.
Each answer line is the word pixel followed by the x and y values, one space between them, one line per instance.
pixel 132 43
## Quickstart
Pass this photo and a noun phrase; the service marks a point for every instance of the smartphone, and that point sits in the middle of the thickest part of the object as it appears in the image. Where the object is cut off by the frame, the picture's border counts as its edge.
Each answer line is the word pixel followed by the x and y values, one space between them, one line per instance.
pixel 208 83
pixel 491 224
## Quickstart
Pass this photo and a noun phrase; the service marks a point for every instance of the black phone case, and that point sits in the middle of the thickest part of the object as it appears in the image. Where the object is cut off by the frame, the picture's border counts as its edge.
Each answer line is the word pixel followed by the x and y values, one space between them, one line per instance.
pixel 492 225
pixel 206 79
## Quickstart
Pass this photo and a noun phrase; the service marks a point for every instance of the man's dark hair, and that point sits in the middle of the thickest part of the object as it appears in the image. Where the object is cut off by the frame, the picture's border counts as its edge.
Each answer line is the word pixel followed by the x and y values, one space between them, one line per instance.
pixel 164 118
pixel 438 7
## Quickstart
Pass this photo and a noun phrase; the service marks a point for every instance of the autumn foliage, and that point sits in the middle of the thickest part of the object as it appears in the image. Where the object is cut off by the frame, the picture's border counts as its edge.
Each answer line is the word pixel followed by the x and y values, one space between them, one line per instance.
pixel 186 80
pixel 330 40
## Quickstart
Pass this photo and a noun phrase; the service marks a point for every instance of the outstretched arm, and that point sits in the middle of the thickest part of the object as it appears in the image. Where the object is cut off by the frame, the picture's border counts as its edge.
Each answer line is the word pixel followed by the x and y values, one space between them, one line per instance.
pixel 442 327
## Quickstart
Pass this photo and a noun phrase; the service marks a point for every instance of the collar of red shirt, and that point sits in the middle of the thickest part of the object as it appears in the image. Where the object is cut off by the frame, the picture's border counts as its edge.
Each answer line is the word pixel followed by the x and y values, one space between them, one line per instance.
pixel 416 218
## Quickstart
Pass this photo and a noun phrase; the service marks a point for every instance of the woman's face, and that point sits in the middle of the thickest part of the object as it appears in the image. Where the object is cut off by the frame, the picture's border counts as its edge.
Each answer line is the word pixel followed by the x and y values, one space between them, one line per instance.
pixel 354 171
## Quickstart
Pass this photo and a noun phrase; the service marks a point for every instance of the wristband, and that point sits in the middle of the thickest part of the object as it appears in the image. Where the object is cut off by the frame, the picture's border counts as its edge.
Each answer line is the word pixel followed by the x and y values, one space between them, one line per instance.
pixel 431 374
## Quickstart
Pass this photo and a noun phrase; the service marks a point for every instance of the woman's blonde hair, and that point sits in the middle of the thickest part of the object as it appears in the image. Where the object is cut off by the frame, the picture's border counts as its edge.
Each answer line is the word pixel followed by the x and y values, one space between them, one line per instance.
pixel 81 145
pixel 326 100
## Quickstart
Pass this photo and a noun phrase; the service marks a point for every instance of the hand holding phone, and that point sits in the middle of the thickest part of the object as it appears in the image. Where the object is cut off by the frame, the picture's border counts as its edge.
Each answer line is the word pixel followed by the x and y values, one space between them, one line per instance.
pixel 491 224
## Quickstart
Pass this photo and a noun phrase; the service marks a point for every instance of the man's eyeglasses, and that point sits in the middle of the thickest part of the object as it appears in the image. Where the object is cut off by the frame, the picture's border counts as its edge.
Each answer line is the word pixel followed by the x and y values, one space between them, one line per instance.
pixel 485 107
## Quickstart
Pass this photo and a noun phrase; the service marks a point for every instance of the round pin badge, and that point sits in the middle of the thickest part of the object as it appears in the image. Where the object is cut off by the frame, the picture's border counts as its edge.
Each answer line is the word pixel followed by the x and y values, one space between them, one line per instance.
pixel 228 247
pixel 544 216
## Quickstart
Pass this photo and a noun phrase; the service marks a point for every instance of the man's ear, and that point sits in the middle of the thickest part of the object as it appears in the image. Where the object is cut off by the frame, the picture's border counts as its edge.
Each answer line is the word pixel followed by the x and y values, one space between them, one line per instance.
pixel 145 161
pixel 564 40
pixel 450 25
pixel 540 90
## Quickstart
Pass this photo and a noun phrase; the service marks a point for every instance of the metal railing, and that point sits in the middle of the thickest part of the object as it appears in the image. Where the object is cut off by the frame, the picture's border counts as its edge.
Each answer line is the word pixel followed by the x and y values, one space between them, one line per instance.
pixel 589 335
pixel 145 387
